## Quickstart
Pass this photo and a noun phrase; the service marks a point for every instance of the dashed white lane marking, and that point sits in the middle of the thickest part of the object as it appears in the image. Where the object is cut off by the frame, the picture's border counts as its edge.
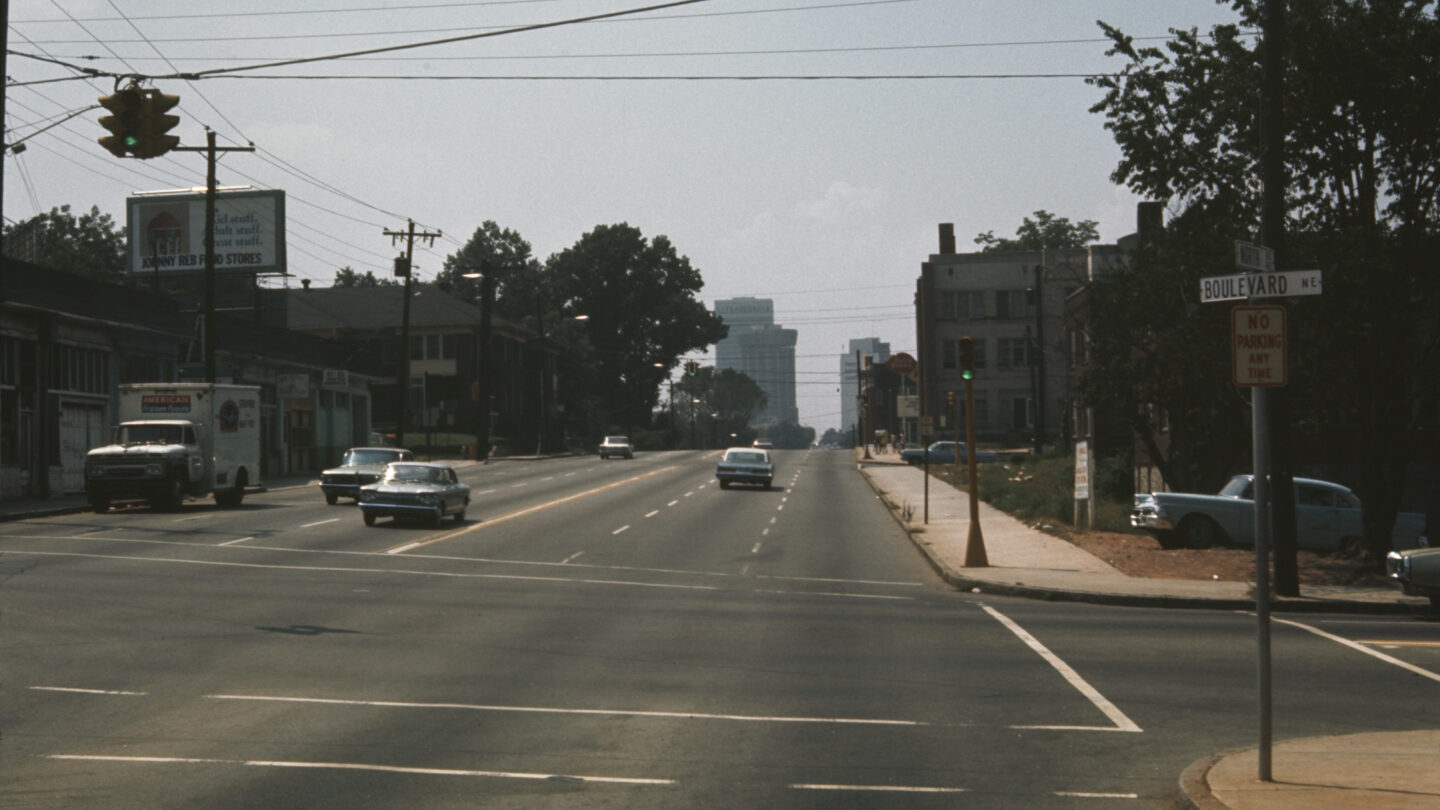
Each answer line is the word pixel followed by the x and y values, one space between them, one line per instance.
pixel 1122 723
pixel 572 557
pixel 624 528
pixel 652 513
pixel 237 540
pixel 755 549
pixel 319 523
pixel 1075 794
pixel 1355 645
pixel 688 494
pixel 519 485
pixel 361 766
pixel 672 503
pixel 879 788
pixel 86 691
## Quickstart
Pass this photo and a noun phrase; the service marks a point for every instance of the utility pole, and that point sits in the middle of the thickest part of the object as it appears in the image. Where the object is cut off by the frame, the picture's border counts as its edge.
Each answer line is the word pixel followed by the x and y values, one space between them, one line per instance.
pixel 403 265
pixel 210 149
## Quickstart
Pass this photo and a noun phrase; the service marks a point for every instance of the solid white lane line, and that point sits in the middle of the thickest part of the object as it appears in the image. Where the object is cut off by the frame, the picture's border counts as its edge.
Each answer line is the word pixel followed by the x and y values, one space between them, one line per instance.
pixel 361 766
pixel 658 715
pixel 319 523
pixel 1122 723
pixel 879 788
pixel 1355 645
pixel 80 691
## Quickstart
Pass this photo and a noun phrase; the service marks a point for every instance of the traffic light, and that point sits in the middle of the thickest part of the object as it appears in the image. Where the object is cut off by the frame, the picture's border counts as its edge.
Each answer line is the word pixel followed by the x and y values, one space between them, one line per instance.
pixel 124 121
pixel 155 123
pixel 967 358
pixel 692 367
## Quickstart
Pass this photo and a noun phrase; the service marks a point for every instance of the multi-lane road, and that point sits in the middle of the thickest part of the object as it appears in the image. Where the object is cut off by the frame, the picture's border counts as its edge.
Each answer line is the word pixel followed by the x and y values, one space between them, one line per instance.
pixel 619 634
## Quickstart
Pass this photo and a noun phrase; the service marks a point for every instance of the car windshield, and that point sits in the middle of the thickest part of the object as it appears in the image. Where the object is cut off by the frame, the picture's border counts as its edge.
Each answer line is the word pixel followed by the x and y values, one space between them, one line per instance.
pixel 369 458
pixel 152 434
pixel 416 474
pixel 746 458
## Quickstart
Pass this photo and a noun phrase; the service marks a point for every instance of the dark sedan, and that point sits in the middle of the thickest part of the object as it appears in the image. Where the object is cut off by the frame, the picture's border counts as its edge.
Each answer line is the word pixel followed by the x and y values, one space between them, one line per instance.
pixel 415 490
pixel 358 467
pixel 944 453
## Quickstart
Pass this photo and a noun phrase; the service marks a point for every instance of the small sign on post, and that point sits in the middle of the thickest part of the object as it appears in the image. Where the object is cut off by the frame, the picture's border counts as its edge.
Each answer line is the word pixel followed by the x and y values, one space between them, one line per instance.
pixel 1254 257
pixel 1258 346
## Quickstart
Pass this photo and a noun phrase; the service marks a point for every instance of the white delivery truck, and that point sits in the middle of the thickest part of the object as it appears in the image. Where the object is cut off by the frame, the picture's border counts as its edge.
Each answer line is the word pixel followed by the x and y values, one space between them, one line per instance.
pixel 176 440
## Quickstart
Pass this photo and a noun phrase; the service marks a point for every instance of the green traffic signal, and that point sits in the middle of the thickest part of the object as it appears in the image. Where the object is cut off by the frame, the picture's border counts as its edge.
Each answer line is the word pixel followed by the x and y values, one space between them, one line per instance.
pixel 967 358
pixel 124 121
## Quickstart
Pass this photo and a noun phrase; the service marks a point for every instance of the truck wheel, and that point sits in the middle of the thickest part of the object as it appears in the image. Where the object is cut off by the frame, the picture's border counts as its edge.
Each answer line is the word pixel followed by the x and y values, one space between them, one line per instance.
pixel 1198 531
pixel 331 498
pixel 232 497
pixel 100 505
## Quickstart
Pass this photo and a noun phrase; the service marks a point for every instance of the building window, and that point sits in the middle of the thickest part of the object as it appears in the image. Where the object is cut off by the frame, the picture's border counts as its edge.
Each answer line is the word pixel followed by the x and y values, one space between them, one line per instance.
pixel 1015 304
pixel 961 305
pixel 417 348
pixel 449 347
pixel 1017 410
pixel 432 347
pixel 979 353
pixel 949 353
pixel 1012 353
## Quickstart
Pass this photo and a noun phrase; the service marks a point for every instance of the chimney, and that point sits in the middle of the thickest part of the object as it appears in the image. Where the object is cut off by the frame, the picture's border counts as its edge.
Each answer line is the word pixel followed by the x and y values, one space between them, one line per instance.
pixel 1149 220
pixel 305 282
pixel 947 237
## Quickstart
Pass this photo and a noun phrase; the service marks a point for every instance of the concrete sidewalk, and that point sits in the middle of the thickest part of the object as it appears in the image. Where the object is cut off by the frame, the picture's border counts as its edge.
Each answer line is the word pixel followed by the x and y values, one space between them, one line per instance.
pixel 1377 770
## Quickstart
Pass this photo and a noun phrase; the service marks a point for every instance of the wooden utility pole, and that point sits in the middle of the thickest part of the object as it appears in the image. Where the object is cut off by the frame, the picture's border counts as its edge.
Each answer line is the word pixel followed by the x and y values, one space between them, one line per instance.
pixel 403 267
pixel 210 150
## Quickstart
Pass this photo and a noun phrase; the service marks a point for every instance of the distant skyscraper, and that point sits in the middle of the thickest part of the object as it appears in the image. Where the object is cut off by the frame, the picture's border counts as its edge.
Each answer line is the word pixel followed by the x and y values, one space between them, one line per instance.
pixel 762 351
pixel 878 352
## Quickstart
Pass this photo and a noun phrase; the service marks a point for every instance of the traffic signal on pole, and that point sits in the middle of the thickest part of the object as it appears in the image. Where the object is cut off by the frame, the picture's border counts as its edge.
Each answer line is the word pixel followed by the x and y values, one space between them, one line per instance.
pixel 967 358
pixel 124 121
pixel 692 367
pixel 155 124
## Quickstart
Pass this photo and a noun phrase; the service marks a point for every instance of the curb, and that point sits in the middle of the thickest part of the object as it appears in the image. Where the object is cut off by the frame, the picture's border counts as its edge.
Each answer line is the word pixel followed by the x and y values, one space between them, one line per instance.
pixel 1050 594
pixel 1195 793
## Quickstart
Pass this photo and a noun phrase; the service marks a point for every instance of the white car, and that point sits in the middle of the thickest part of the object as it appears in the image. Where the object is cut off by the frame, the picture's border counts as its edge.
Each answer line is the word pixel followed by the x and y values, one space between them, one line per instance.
pixel 617 446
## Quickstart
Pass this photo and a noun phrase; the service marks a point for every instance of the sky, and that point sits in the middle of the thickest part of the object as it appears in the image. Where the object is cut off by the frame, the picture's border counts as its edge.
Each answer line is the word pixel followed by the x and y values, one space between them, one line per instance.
pixel 739 129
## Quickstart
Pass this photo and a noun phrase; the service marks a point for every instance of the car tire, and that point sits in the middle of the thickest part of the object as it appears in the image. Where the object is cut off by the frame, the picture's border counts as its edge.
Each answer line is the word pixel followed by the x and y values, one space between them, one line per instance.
pixel 724 484
pixel 460 516
pixel 100 505
pixel 331 498
pixel 1198 531
pixel 174 495
pixel 369 519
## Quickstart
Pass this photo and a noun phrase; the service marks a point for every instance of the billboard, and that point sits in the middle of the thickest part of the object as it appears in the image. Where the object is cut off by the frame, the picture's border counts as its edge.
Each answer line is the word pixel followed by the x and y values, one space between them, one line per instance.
pixel 167 233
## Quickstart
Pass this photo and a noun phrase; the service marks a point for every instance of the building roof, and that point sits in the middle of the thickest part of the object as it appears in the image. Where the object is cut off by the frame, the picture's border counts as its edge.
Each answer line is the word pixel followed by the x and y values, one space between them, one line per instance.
pixel 46 289
pixel 345 309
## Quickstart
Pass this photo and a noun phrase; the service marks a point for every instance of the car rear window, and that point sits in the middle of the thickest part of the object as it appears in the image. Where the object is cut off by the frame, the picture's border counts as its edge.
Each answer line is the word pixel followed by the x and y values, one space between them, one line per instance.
pixel 746 458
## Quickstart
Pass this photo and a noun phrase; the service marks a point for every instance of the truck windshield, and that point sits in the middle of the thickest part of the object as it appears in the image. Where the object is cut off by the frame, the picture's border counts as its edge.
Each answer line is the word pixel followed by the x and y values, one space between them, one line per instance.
pixel 152 434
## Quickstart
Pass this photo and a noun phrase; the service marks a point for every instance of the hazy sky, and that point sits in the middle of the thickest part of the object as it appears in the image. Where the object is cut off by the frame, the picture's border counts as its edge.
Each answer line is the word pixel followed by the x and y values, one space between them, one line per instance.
pixel 823 194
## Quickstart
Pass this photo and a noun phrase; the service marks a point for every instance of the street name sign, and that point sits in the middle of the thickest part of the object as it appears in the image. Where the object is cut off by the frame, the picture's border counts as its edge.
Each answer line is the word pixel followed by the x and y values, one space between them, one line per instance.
pixel 1240 286
pixel 1254 257
pixel 1258 346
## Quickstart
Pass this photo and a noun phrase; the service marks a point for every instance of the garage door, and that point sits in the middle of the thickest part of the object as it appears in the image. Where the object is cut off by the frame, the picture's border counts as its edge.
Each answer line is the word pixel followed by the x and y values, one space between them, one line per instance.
pixel 82 426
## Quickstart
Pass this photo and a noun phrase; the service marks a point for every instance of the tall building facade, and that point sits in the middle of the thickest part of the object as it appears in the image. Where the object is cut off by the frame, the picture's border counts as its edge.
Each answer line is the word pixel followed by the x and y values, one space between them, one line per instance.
pixel 761 350
pixel 1012 305
pixel 850 363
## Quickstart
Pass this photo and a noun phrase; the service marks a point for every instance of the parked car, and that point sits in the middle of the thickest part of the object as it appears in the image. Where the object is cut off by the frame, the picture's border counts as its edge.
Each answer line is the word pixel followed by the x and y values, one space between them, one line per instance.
pixel 745 465
pixel 358 467
pixel 617 446
pixel 415 490
pixel 944 453
pixel 1417 570
pixel 1327 517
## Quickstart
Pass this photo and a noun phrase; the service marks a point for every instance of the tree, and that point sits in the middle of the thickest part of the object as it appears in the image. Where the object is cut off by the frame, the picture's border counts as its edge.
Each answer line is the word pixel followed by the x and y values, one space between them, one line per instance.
pixel 1363 154
pixel 520 293
pixel 89 246
pixel 641 314
pixel 790 436
pixel 347 277
pixel 722 401
pixel 1045 232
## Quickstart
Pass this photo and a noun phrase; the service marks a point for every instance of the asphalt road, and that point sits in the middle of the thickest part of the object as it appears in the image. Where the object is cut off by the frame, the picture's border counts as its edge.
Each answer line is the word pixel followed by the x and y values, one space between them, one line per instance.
pixel 618 634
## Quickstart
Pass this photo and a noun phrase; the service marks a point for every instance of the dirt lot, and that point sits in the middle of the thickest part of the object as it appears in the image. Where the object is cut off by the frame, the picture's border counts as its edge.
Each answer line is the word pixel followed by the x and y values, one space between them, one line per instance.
pixel 1140 556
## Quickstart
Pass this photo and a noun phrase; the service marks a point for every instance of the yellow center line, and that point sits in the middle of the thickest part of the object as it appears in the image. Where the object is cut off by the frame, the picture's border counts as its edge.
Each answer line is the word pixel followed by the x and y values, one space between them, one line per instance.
pixel 523 512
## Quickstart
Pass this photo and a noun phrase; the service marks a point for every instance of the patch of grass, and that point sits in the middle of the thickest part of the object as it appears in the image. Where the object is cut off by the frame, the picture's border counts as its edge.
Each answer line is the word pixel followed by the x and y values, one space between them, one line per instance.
pixel 1038 489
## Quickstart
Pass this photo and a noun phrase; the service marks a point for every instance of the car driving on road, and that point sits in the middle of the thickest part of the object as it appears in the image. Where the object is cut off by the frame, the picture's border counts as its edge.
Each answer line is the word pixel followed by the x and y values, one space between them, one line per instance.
pixel 415 490
pixel 617 446
pixel 358 467
pixel 745 465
